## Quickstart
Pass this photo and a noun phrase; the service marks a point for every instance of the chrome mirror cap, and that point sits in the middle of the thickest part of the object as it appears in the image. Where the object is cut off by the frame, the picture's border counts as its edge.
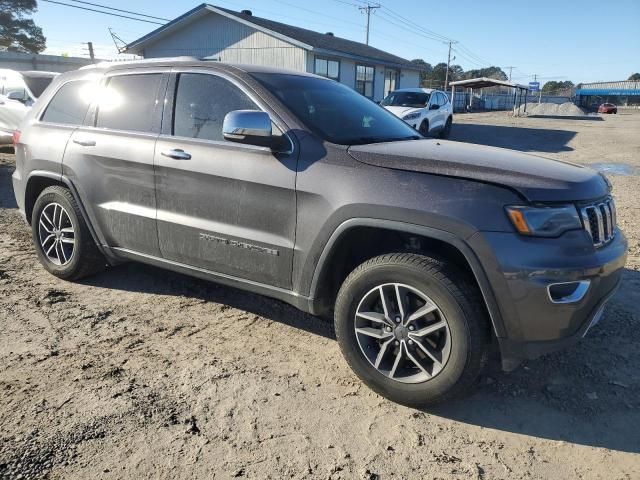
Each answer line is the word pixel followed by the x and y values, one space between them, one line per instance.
pixel 252 127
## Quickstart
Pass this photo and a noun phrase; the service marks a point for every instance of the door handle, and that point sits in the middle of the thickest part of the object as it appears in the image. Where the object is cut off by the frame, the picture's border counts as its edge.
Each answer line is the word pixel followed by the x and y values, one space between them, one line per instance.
pixel 176 154
pixel 85 143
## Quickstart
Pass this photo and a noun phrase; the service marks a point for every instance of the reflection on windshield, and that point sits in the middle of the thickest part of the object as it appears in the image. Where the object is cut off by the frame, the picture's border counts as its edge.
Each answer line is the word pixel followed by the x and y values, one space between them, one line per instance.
pixel 406 99
pixel 334 111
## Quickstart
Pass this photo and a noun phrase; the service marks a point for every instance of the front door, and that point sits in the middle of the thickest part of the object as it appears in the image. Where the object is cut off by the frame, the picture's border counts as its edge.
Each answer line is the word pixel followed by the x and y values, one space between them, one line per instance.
pixel 222 206
pixel 111 160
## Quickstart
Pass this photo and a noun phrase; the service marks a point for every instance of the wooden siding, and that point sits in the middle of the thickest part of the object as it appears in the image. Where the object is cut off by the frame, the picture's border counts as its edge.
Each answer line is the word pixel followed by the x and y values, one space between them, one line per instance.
pixel 228 41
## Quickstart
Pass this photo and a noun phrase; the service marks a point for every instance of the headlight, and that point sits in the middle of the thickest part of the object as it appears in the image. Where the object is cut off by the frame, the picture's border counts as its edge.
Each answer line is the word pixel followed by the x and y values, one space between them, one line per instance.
pixel 411 116
pixel 544 221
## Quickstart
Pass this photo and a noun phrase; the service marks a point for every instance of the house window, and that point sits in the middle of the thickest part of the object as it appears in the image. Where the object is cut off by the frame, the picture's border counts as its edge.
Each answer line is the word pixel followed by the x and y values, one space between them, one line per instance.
pixel 390 81
pixel 364 80
pixel 328 68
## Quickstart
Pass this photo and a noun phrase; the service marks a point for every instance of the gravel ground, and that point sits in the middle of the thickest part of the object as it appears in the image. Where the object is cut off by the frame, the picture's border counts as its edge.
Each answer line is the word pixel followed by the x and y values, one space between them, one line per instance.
pixel 139 372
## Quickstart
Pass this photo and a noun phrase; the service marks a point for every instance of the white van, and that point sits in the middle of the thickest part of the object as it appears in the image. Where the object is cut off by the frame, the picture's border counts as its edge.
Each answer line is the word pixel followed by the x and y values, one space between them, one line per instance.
pixel 18 92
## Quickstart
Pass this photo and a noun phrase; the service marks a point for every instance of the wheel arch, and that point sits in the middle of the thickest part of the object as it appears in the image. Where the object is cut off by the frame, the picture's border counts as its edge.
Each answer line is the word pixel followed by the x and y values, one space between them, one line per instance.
pixel 326 275
pixel 38 180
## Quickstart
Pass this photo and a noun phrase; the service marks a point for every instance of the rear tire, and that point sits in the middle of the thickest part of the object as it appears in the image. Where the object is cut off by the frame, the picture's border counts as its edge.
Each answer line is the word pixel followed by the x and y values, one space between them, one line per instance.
pixel 415 379
pixel 62 240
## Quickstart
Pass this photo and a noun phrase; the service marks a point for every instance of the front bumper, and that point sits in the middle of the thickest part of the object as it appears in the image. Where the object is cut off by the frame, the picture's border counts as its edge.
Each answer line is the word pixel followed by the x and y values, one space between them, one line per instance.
pixel 520 269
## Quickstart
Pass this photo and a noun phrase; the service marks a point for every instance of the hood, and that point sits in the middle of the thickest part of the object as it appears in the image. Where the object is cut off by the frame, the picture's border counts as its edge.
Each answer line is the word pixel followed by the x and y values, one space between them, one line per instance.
pixel 536 178
pixel 401 111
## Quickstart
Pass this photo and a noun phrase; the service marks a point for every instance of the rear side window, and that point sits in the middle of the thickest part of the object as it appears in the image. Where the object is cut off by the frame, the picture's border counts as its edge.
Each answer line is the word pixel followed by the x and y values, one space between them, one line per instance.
pixel 69 105
pixel 202 101
pixel 129 102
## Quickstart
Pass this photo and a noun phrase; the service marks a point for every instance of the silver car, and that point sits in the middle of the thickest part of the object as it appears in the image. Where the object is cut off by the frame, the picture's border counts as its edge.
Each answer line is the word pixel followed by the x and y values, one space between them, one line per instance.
pixel 18 92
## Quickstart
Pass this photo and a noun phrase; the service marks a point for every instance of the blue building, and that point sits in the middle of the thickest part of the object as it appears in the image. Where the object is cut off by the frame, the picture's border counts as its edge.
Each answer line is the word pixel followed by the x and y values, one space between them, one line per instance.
pixel 623 94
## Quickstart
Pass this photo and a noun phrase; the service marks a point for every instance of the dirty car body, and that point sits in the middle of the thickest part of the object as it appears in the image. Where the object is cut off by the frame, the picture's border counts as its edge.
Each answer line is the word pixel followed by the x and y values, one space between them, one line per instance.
pixel 291 219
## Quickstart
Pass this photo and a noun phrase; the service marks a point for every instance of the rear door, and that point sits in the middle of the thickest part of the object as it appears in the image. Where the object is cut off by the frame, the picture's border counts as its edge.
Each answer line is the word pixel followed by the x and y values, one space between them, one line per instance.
pixel 110 160
pixel 222 206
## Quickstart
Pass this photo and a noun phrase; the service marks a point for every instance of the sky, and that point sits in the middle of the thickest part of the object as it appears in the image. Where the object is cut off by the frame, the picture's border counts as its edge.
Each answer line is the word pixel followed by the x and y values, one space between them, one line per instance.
pixel 581 41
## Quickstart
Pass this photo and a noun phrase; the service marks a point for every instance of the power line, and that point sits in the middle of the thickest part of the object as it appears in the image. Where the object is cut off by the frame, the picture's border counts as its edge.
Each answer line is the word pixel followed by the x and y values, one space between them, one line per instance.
pixel 103 12
pixel 123 11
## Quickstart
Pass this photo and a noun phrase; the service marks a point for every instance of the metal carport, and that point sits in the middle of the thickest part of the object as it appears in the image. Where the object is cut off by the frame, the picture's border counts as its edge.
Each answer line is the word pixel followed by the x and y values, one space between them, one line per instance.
pixel 484 82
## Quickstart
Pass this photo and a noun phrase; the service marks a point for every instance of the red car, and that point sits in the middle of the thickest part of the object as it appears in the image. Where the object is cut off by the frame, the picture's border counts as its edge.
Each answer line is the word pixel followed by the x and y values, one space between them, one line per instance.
pixel 607 108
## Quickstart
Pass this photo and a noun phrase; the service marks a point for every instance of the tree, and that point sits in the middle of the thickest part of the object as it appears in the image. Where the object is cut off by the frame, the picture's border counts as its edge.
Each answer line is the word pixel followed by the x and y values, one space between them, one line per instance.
pixel 635 76
pixel 489 72
pixel 425 67
pixel 16 30
pixel 554 86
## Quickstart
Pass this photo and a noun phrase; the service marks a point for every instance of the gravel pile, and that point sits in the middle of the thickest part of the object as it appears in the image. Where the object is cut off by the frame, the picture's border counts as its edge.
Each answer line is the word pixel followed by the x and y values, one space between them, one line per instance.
pixel 566 109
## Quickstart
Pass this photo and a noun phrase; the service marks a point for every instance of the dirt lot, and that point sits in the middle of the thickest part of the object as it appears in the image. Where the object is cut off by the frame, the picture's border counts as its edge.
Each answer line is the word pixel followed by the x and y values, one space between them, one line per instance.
pixel 142 373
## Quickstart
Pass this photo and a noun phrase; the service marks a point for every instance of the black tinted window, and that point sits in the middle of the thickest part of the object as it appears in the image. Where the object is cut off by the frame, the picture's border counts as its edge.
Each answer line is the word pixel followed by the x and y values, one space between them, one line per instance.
pixel 69 105
pixel 202 101
pixel 128 102
pixel 37 84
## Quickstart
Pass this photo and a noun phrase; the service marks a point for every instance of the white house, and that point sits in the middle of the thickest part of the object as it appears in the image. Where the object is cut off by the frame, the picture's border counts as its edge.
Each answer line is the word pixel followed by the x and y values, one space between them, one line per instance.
pixel 239 37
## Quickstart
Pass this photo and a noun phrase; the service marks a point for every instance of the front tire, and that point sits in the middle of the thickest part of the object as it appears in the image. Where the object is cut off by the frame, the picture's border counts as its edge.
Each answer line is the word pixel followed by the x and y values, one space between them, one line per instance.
pixel 446 131
pixel 61 237
pixel 424 128
pixel 412 328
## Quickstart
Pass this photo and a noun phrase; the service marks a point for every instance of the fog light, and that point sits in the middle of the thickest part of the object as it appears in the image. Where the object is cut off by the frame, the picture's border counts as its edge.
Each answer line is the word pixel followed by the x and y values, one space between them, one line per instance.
pixel 568 292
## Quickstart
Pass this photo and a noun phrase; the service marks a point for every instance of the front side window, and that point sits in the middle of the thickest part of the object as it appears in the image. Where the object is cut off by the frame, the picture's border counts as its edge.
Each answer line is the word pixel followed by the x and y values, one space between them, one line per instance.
pixel 328 68
pixel 128 102
pixel 335 112
pixel 202 102
pixel 70 104
pixel 364 80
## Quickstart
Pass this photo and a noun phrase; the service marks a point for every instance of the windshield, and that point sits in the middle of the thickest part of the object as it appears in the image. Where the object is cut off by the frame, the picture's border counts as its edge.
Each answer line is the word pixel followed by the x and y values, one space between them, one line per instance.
pixel 334 111
pixel 37 85
pixel 407 99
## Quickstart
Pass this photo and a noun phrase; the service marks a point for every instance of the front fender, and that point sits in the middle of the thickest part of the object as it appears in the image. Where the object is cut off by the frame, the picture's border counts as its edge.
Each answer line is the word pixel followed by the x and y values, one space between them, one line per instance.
pixel 444 236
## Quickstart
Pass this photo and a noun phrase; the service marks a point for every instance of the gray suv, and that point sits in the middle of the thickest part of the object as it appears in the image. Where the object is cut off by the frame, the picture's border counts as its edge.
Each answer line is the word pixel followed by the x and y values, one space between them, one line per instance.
pixel 426 253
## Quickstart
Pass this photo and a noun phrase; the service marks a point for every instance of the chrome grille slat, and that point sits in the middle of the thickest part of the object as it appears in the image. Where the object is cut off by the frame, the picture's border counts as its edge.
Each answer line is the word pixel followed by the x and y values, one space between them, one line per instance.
pixel 599 221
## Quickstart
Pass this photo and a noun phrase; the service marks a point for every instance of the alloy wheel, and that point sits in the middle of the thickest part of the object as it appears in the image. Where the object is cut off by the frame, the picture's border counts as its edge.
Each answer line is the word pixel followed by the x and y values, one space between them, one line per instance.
pixel 56 234
pixel 402 333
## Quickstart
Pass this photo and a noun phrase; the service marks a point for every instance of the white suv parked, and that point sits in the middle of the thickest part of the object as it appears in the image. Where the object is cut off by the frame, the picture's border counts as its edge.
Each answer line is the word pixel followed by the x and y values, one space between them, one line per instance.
pixel 428 111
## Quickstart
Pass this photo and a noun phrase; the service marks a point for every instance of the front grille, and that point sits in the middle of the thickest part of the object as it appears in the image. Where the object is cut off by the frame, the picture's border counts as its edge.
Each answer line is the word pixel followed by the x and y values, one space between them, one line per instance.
pixel 599 221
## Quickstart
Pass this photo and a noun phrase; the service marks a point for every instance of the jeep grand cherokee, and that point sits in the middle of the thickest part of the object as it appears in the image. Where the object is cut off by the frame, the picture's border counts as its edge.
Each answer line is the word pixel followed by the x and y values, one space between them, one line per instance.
pixel 424 251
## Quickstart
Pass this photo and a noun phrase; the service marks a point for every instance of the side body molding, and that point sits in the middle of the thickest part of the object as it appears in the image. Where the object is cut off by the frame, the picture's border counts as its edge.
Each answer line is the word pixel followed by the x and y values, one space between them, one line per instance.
pixel 429 232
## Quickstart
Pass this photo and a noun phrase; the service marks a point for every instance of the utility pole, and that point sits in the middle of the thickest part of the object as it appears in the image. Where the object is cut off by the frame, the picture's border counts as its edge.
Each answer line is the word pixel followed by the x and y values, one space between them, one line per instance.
pixel 368 10
pixel 535 79
pixel 91 54
pixel 510 71
pixel 446 76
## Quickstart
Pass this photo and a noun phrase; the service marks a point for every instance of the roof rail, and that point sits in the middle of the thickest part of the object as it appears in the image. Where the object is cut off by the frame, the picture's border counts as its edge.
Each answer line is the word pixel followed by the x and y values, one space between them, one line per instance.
pixel 143 61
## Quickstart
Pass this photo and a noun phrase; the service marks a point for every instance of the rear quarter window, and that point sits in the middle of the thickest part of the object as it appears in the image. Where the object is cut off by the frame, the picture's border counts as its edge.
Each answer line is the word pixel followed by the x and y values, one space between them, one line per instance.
pixel 69 105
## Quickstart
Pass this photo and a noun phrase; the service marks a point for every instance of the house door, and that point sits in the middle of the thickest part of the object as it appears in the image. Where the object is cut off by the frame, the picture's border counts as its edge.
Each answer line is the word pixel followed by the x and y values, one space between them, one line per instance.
pixel 391 81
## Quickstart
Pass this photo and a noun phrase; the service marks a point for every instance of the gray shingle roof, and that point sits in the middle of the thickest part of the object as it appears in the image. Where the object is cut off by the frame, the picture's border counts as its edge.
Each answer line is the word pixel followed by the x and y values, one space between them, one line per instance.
pixel 319 42
pixel 322 40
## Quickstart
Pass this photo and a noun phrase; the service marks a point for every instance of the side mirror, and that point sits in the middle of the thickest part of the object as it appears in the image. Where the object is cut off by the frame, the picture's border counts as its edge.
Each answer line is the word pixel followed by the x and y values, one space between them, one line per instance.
pixel 434 106
pixel 16 95
pixel 251 127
